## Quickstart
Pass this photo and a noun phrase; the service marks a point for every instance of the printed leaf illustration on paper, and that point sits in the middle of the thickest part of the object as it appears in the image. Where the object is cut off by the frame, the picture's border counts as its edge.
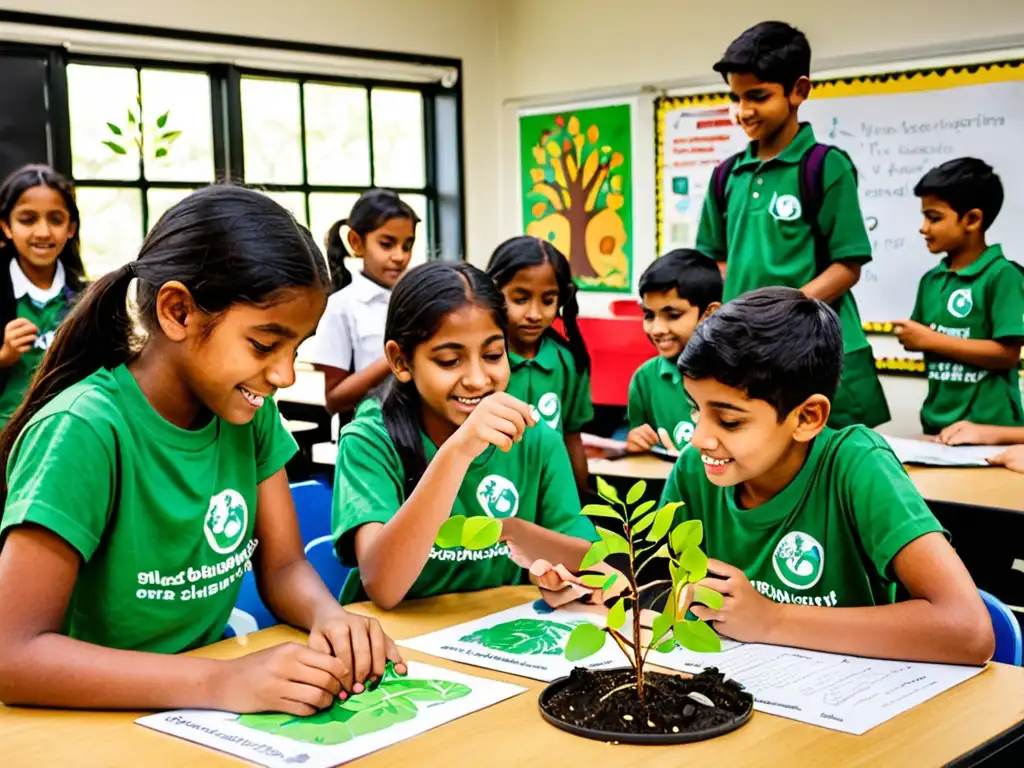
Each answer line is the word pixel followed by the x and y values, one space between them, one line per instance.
pixel 525 636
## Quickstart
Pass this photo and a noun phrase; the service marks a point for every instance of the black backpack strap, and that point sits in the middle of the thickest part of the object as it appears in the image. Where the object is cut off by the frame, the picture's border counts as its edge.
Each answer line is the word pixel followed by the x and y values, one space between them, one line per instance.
pixel 720 183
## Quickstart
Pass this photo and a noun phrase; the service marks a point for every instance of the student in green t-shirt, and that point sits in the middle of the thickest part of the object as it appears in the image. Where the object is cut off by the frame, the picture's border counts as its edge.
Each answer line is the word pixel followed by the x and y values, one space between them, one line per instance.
pixel 676 292
pixel 968 318
pixel 781 226
pixel 550 371
pixel 449 441
pixel 145 476
pixel 810 529
pixel 40 272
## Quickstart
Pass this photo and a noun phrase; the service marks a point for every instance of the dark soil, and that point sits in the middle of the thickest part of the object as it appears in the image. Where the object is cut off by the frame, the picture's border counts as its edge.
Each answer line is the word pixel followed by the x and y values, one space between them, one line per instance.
pixel 667 709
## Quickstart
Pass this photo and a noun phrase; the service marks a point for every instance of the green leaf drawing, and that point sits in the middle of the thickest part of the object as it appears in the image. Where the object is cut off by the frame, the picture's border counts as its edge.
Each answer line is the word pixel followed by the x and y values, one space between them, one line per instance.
pixel 697 636
pixel 114 129
pixel 617 614
pixel 450 533
pixel 524 637
pixel 480 532
pixel 392 702
pixel 606 491
pixel 598 551
pixel 616 544
pixel 162 120
pixel 160 152
pixel 695 562
pixel 586 640
pixel 644 523
pixel 687 534
pixel 131 118
pixel 636 492
pixel 600 510
pixel 708 597
pixel 643 509
pixel 662 522
pixel 170 136
pixel 115 147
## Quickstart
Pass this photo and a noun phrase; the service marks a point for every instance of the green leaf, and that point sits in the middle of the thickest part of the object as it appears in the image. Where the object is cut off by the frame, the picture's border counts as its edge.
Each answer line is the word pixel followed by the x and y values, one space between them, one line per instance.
pixel 600 510
pixel 695 563
pixel 594 580
pixel 449 535
pixel 708 597
pixel 609 583
pixel 585 640
pixel 114 129
pixel 525 636
pixel 643 524
pixel 131 118
pixel 662 624
pixel 617 614
pixel 606 491
pixel 643 509
pixel 170 136
pixel 616 544
pixel 116 147
pixel 160 152
pixel 162 120
pixel 667 647
pixel 392 702
pixel 687 534
pixel 138 99
pixel 662 522
pixel 636 492
pixel 480 532
pixel 598 551
pixel 697 636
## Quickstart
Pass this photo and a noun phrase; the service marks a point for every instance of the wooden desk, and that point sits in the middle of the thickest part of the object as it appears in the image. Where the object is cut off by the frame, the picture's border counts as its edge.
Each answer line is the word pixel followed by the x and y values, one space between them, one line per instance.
pixel 513 733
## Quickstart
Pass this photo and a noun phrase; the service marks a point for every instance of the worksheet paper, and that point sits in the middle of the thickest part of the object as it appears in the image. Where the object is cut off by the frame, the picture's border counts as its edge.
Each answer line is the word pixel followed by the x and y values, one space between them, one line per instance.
pixel 842 693
pixel 931 454
pixel 398 709
pixel 528 640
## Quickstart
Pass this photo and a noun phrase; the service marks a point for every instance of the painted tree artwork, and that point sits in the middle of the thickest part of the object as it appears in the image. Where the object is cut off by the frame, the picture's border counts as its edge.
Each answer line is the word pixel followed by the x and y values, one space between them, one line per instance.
pixel 577 190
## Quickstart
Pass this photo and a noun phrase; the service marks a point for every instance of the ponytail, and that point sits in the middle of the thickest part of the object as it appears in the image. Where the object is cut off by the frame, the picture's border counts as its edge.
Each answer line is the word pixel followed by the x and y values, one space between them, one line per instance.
pixel 336 253
pixel 96 334
pixel 573 337
pixel 403 420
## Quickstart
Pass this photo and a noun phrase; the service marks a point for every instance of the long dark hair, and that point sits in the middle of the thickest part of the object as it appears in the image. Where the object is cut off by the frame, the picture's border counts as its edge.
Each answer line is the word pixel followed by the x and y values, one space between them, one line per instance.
pixel 373 209
pixel 418 305
pixel 227 245
pixel 524 251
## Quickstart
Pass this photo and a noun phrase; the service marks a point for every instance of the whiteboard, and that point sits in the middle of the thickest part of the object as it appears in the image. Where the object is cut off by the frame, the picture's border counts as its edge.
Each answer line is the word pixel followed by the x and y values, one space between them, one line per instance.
pixel 895 129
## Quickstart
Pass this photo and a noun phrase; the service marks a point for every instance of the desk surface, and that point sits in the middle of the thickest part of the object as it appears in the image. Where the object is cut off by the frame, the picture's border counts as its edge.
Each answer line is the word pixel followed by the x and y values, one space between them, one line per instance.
pixel 983 486
pixel 308 388
pixel 513 733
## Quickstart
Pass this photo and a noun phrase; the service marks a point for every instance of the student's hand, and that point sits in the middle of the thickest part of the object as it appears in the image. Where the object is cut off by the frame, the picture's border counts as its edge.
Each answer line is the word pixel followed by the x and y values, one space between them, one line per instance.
pixel 666 441
pixel 499 420
pixel 1011 458
pixel 358 643
pixel 19 336
pixel 914 336
pixel 641 439
pixel 966 433
pixel 289 678
pixel 746 615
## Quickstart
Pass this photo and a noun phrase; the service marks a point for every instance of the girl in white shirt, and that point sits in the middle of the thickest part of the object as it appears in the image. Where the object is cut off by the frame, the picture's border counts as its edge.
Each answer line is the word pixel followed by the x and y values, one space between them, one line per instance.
pixel 349 342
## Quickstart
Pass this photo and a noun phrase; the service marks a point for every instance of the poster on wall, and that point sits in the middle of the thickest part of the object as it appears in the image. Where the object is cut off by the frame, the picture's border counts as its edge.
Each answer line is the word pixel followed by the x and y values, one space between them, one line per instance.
pixel 576 176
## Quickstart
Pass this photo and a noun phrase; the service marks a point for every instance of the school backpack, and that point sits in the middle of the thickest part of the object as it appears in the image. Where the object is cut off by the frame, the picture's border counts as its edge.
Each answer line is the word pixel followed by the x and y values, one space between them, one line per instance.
pixel 812 194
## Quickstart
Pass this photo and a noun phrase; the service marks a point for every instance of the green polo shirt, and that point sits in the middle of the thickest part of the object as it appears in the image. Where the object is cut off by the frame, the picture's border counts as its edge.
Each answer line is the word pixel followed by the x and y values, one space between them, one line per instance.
pixel 46 317
pixel 984 300
pixel 550 382
pixel 656 397
pixel 829 537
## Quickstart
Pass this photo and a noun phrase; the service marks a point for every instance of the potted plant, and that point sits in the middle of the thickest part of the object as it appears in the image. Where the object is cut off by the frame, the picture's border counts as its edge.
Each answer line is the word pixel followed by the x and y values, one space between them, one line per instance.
pixel 632 704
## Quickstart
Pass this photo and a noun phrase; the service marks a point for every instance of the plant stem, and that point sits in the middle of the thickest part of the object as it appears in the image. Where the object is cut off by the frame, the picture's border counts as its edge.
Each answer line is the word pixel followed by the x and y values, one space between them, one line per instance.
pixel 638 664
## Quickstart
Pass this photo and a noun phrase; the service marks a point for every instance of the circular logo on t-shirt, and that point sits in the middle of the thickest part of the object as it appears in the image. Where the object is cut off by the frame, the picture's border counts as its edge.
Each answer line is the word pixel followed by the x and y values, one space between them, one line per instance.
pixel 226 522
pixel 682 434
pixel 785 207
pixel 961 302
pixel 498 497
pixel 550 409
pixel 799 560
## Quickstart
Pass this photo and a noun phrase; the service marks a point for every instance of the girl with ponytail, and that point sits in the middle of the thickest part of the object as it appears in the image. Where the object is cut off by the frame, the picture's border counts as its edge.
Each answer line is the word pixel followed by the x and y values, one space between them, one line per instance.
pixel 349 342
pixel 449 441
pixel 146 463
pixel 550 371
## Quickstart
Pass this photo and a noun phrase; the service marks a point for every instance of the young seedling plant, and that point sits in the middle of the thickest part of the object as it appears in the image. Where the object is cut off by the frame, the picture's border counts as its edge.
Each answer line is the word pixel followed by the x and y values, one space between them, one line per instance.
pixel 649 536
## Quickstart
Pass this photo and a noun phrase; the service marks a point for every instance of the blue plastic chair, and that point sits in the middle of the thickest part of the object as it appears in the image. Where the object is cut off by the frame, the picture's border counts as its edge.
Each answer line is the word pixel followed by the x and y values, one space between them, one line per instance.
pixel 312 500
pixel 1009 644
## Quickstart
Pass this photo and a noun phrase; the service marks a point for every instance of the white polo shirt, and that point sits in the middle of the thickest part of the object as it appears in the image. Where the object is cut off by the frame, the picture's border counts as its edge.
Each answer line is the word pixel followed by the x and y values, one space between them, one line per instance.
pixel 351 333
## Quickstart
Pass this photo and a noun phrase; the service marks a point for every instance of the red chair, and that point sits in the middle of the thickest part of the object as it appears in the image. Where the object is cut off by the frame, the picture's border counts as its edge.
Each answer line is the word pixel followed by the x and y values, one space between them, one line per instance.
pixel 626 308
pixel 617 346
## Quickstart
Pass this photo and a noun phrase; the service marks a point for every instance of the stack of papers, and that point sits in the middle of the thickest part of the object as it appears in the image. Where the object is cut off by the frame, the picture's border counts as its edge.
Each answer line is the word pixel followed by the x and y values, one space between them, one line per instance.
pixel 938 455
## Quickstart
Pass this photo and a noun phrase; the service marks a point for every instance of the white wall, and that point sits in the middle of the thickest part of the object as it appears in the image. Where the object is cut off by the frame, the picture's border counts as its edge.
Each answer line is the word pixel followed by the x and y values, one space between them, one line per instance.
pixel 465 29
pixel 557 52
